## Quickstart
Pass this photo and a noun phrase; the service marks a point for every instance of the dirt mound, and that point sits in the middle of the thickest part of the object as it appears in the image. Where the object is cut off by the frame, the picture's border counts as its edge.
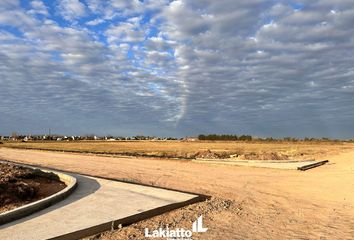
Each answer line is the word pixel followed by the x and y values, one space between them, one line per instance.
pixel 212 155
pixel 242 156
pixel 19 186
pixel 261 156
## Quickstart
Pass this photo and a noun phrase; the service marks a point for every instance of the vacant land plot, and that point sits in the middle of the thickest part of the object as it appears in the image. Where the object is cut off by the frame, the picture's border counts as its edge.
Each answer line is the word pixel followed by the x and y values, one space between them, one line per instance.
pixel 198 149
pixel 247 203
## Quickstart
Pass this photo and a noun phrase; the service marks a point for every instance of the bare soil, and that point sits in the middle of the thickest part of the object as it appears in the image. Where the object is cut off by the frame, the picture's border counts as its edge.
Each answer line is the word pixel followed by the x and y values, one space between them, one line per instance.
pixel 20 186
pixel 281 150
pixel 246 203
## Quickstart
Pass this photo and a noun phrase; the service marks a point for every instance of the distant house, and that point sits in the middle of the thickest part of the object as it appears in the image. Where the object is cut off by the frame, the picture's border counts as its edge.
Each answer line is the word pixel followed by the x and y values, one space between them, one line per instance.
pixel 191 139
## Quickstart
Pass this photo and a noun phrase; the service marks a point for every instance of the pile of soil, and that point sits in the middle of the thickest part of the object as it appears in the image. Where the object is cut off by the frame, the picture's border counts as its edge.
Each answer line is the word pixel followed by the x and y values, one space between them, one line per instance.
pixel 242 156
pixel 262 156
pixel 20 186
pixel 212 155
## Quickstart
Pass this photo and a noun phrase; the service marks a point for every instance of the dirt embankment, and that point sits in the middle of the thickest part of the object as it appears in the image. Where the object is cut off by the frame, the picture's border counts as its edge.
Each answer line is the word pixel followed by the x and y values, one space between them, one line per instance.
pixel 20 186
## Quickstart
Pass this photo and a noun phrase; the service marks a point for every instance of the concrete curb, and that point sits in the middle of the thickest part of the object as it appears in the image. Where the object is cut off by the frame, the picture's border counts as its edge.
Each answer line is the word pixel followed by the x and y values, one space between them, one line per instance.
pixel 313 165
pixel 112 225
pixel 51 169
pixel 30 208
pixel 231 160
pixel 270 164
pixel 116 224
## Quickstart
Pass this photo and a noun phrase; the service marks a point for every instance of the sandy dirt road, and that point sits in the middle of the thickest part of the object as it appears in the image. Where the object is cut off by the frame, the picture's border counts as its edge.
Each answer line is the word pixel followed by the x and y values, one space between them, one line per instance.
pixel 247 203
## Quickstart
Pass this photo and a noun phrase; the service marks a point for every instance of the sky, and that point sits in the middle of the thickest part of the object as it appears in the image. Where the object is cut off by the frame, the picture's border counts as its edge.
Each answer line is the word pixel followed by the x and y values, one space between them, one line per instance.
pixel 177 68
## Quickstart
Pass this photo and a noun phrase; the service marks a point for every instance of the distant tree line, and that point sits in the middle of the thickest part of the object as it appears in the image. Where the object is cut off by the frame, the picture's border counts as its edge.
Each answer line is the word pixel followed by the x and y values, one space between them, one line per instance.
pixel 225 137
pixel 233 137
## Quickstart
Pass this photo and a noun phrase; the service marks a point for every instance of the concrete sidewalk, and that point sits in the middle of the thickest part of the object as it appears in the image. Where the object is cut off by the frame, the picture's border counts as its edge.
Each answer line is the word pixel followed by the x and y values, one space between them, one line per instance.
pixel 92 208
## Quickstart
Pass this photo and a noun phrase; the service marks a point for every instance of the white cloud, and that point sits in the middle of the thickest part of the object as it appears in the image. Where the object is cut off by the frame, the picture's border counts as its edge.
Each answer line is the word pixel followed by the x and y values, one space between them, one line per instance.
pixel 125 32
pixel 95 22
pixel 195 65
pixel 71 9
pixel 9 4
pixel 38 7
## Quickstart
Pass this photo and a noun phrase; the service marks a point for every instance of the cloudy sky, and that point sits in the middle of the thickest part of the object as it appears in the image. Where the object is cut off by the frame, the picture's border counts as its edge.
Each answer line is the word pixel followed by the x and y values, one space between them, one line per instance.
pixel 184 67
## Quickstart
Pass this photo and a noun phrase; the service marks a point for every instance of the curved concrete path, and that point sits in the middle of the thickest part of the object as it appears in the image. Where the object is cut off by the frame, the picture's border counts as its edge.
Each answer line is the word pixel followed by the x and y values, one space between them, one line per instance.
pixel 97 205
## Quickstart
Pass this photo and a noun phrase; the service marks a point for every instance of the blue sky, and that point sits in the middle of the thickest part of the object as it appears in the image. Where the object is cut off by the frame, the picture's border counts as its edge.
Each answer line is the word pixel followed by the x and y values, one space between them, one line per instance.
pixel 177 68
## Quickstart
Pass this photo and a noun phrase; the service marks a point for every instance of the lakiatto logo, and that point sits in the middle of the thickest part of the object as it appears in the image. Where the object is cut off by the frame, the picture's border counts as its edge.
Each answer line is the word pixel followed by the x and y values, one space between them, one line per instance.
pixel 178 233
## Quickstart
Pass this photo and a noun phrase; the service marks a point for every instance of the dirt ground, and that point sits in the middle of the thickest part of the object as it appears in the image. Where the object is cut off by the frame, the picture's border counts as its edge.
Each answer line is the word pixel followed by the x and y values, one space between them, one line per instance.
pixel 281 150
pixel 20 186
pixel 246 203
